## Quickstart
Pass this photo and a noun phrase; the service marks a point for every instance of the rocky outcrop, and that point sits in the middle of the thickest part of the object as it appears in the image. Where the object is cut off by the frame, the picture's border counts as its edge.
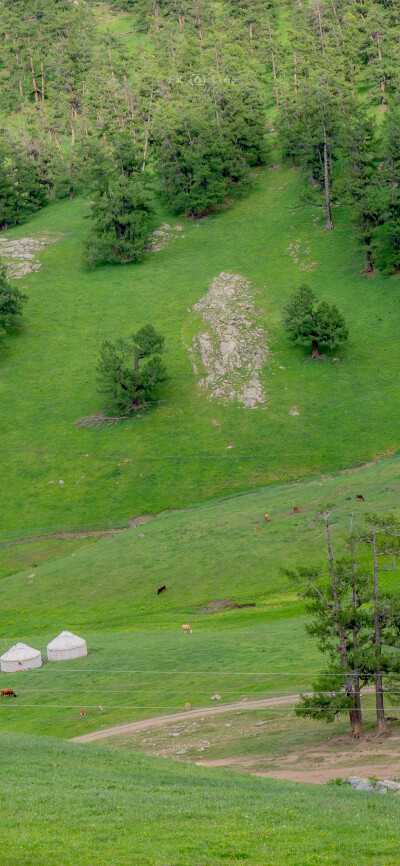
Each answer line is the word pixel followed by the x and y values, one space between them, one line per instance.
pixel 360 784
pixel 19 255
pixel 233 346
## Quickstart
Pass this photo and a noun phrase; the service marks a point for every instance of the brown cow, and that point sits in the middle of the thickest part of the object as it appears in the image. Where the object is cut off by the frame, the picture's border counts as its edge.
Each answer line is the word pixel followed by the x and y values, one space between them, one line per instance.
pixel 187 629
pixel 266 517
pixel 360 496
pixel 161 588
pixel 187 705
pixel 296 509
pixel 82 712
pixel 8 692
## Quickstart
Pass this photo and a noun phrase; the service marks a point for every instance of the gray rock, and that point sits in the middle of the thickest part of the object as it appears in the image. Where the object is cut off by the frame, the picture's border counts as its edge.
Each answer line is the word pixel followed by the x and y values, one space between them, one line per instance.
pixel 389 785
pixel 382 791
pixel 360 784
pixel 365 785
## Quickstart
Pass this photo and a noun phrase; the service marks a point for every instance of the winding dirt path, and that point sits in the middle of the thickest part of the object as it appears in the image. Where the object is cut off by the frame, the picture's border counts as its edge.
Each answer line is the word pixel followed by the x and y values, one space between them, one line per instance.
pixel 159 721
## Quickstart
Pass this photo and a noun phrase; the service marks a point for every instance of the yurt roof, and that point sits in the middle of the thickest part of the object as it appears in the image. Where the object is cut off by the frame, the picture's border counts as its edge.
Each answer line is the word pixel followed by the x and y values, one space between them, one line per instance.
pixel 19 652
pixel 65 641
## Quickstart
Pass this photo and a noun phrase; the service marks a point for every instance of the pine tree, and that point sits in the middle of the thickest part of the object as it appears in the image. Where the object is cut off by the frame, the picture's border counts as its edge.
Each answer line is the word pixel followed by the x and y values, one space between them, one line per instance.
pixel 131 370
pixel 313 324
pixel 122 208
pixel 11 303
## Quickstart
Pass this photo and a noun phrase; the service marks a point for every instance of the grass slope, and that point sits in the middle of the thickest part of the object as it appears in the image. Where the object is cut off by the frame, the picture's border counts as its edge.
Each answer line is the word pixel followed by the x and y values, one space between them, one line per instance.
pixel 92 805
pixel 174 455
pixel 140 663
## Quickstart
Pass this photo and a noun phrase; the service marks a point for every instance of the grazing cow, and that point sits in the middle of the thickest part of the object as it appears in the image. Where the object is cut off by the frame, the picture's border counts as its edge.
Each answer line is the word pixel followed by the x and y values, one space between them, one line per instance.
pixel 296 509
pixel 266 517
pixel 82 712
pixel 187 705
pixel 256 528
pixel 187 629
pixel 8 692
pixel 161 588
pixel 360 496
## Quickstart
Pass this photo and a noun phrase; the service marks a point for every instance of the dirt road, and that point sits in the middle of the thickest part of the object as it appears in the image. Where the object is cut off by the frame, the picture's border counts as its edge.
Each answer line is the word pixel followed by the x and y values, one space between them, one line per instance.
pixel 159 721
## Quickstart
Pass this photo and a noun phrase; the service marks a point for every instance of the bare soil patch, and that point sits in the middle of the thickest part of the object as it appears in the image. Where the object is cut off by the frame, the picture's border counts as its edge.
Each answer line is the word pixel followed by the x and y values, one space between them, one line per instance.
pixel 224 604
pixel 338 757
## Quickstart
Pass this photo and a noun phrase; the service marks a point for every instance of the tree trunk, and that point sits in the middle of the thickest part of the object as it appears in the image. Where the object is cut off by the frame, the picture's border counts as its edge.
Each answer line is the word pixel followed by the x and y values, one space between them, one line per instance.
pixel 42 74
pixel 329 223
pixel 19 66
pixel 35 88
pixel 380 710
pixel 274 68
pixel 356 723
pixel 383 82
pixel 146 142
pixel 318 9
pixel 370 264
pixel 315 350
pixel 353 688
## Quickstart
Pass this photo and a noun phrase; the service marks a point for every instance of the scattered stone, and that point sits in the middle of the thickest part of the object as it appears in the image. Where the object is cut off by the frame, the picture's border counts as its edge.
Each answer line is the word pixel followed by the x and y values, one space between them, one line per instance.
pixel 161 237
pixel 294 411
pixel 299 251
pixel 382 791
pixel 233 349
pixel 282 368
pixel 61 481
pixel 258 724
pixel 20 255
pixel 216 698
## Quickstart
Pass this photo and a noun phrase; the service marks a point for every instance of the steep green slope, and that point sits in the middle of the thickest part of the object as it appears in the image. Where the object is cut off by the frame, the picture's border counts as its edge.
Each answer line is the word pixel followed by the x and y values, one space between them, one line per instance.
pixel 140 663
pixel 175 454
pixel 92 805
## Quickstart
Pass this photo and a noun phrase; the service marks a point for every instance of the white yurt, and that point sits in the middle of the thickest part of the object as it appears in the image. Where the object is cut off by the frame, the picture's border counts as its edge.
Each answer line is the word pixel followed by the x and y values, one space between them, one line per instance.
pixel 66 646
pixel 20 658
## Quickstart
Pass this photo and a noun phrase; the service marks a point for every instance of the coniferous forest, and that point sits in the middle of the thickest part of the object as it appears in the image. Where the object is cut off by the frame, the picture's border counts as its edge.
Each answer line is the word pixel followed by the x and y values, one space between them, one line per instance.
pixel 180 113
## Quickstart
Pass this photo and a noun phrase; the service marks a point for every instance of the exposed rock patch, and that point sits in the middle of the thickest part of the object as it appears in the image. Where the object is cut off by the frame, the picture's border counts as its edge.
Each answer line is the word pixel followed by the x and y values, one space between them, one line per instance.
pixel 20 255
pixel 233 347
pixel 299 252
pixel 164 236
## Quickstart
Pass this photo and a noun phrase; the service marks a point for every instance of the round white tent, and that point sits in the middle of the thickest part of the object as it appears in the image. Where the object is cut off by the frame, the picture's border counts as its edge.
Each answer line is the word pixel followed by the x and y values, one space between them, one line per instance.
pixel 20 658
pixel 66 646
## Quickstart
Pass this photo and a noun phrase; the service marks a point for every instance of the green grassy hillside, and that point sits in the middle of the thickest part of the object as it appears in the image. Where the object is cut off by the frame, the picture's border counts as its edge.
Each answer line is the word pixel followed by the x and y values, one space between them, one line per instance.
pixel 175 454
pixel 93 805
pixel 140 662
